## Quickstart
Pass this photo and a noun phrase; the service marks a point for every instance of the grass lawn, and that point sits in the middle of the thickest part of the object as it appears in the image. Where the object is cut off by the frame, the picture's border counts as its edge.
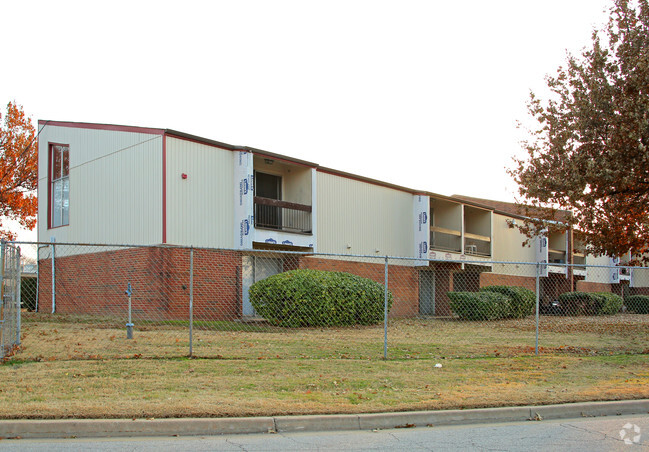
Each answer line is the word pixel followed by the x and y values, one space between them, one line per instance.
pixel 180 387
pixel 68 367
pixel 59 337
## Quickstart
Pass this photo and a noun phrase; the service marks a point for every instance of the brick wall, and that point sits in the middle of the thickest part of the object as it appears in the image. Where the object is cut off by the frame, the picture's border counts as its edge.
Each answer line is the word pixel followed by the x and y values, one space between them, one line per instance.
pixel 95 283
pixel 587 286
pixel 497 279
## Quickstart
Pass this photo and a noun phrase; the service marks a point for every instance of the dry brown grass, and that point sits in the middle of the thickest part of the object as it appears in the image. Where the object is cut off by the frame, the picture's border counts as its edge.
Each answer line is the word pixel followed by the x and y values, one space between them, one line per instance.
pixel 200 387
pixel 54 337
pixel 63 368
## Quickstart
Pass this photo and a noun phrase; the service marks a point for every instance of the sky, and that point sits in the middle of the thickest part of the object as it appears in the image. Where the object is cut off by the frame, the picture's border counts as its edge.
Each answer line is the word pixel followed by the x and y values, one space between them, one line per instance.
pixel 423 94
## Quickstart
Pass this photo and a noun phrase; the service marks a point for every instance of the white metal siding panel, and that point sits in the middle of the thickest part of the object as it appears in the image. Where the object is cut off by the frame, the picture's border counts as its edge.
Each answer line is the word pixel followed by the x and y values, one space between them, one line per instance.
pixel 200 209
pixel 597 274
pixel 115 186
pixel 366 216
pixel 508 246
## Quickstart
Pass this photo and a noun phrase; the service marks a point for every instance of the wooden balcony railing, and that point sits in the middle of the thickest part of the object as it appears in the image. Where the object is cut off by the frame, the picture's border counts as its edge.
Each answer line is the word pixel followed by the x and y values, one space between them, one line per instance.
pixel 282 215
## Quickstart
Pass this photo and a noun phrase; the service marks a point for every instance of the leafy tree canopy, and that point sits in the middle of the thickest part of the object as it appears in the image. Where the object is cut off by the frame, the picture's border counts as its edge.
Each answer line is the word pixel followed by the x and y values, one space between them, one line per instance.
pixel 589 150
pixel 18 170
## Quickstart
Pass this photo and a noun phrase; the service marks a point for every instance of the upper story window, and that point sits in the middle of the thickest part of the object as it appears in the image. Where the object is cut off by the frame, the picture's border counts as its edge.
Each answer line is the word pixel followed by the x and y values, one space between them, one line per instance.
pixel 59 185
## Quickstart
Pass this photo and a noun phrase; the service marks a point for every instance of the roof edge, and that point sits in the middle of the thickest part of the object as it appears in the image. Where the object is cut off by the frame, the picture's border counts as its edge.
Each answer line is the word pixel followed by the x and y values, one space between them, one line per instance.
pixel 95 126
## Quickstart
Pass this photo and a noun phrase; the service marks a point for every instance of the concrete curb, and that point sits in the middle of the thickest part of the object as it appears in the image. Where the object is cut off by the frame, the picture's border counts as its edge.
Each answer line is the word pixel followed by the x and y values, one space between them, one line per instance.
pixel 90 428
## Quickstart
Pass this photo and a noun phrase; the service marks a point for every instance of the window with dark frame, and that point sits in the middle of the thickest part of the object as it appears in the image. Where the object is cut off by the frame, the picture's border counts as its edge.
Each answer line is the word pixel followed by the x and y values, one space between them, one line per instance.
pixel 60 185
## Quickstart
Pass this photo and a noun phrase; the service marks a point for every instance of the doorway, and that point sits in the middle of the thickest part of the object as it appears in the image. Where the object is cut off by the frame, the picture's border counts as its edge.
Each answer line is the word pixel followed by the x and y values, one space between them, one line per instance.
pixel 426 292
pixel 268 186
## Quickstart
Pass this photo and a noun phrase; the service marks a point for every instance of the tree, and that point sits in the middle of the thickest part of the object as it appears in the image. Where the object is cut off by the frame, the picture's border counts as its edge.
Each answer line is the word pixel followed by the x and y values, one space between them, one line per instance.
pixel 589 150
pixel 18 170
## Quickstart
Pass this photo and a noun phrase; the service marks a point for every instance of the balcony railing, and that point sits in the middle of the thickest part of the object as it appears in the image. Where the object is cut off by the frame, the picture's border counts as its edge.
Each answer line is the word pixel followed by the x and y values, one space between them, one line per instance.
pixel 445 239
pixel 477 245
pixel 282 215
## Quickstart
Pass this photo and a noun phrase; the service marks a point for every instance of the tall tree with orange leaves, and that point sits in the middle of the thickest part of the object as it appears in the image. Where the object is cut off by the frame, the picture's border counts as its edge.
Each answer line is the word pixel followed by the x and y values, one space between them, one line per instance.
pixel 18 170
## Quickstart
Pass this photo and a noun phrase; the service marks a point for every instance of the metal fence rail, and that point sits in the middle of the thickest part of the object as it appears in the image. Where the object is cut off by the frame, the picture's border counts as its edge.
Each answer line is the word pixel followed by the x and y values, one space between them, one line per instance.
pixel 101 301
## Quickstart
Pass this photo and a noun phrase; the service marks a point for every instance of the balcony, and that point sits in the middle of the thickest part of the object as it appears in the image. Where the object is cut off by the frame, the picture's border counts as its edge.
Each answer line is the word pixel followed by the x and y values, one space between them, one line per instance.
pixel 445 239
pixel 282 215
pixel 477 231
pixel 477 245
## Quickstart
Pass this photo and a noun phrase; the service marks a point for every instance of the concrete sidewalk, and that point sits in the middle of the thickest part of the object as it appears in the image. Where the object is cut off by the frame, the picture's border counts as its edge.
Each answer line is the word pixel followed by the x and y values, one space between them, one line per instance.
pixel 89 428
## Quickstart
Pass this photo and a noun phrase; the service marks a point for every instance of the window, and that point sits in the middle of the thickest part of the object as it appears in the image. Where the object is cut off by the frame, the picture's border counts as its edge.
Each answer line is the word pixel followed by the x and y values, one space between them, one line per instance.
pixel 59 185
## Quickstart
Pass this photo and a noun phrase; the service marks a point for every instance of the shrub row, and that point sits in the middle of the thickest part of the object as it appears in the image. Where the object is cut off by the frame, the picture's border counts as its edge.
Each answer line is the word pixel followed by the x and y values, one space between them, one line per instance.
pixel 637 303
pixel 584 303
pixel 493 302
pixel 300 298
pixel 519 302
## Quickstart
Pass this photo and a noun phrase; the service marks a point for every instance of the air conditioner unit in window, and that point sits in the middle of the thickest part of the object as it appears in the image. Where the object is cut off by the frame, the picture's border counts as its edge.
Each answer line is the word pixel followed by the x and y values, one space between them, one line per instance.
pixel 470 249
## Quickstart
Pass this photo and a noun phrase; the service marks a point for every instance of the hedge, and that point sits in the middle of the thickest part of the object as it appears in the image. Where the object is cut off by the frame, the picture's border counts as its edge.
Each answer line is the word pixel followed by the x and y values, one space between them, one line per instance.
pixel 586 303
pixel 612 304
pixel 300 298
pixel 637 303
pixel 522 301
pixel 479 305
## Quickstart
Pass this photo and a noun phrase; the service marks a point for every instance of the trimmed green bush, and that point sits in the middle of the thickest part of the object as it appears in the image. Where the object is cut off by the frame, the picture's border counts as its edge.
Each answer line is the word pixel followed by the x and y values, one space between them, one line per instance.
pixel 479 305
pixel 300 298
pixel 521 300
pixel 578 303
pixel 586 303
pixel 612 303
pixel 638 304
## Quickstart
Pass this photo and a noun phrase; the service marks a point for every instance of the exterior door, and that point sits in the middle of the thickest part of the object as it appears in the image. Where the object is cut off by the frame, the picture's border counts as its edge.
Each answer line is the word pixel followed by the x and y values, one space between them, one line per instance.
pixel 426 293
pixel 268 186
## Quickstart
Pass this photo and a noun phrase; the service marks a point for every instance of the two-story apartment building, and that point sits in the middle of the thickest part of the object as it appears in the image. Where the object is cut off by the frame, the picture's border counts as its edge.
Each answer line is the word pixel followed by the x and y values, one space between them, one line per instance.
pixel 109 184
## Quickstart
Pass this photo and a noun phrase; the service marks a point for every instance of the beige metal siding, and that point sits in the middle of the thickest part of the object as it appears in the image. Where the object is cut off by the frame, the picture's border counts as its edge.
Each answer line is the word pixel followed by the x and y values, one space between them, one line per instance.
pixel 508 246
pixel 115 186
pixel 365 216
pixel 200 209
pixel 598 274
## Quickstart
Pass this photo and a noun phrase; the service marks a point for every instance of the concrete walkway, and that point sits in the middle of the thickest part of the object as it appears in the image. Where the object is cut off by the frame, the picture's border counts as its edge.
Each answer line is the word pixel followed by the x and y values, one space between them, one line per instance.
pixel 91 428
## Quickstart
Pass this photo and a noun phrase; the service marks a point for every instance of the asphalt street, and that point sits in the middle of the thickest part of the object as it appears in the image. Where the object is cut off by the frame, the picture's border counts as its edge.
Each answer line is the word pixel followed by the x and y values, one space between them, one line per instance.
pixel 583 434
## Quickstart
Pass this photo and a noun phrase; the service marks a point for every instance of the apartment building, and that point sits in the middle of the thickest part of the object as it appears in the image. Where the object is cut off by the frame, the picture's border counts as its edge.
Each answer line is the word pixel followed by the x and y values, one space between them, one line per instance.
pixel 110 184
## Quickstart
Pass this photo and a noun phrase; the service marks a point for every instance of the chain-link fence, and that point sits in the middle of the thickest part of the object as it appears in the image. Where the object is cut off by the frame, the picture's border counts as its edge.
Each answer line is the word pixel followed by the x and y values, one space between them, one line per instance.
pixel 10 312
pixel 96 301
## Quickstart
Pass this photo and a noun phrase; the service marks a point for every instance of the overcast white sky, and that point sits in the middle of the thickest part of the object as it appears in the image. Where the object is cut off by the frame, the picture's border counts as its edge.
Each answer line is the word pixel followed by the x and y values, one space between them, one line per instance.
pixel 424 94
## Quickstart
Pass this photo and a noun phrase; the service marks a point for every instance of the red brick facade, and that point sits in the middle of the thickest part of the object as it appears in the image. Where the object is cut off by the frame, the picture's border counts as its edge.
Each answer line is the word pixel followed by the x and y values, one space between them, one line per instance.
pixel 95 283
pixel 497 279
pixel 587 286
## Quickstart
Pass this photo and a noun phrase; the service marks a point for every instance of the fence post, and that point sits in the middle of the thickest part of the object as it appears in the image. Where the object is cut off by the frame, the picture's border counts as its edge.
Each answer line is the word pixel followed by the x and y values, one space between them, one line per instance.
pixel 191 301
pixel 538 296
pixel 385 311
pixel 53 276
pixel 19 281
